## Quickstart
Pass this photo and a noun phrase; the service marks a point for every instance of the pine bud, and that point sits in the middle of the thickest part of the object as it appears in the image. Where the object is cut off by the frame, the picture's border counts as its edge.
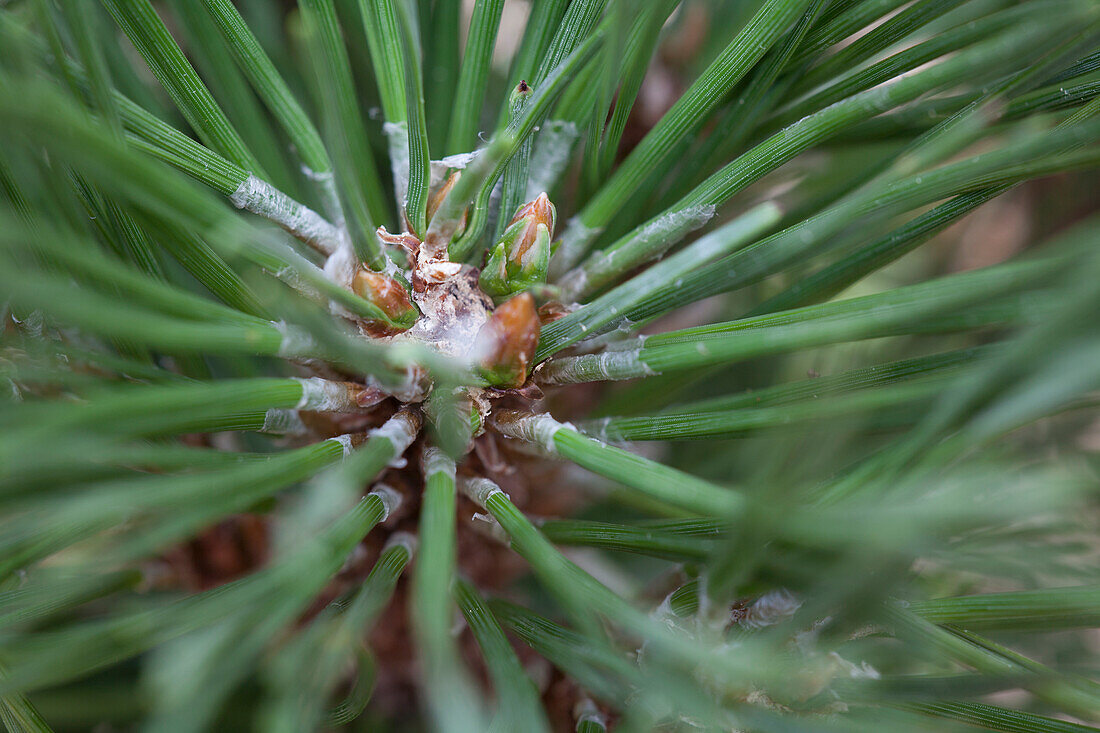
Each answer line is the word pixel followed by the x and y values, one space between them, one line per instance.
pixel 519 95
pixel 521 258
pixel 387 294
pixel 506 344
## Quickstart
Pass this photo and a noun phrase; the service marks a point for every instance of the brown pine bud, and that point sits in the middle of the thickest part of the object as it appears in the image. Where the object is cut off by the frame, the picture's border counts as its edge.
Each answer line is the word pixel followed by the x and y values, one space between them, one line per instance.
pixel 506 344
pixel 387 294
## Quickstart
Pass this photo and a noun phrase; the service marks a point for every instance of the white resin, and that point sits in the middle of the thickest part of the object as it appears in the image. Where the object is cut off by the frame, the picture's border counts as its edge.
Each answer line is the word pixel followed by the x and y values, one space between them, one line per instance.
pixel 459 161
pixel 646 243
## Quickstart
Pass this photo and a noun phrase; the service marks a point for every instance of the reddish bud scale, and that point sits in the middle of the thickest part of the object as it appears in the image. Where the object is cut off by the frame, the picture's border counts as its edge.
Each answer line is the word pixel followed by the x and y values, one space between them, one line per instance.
pixel 539 211
pixel 364 396
pixel 506 343
pixel 437 198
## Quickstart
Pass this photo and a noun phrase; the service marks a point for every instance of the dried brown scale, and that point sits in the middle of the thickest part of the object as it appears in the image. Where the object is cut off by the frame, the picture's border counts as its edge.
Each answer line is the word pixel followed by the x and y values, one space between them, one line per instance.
pixel 319 368
pixel 331 425
pixel 230 549
pixel 406 241
pixel 486 450
pixel 368 396
pixel 552 311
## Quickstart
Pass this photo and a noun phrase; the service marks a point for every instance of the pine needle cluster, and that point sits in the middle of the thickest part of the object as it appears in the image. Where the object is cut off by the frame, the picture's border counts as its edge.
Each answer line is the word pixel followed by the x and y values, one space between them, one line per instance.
pixel 550 365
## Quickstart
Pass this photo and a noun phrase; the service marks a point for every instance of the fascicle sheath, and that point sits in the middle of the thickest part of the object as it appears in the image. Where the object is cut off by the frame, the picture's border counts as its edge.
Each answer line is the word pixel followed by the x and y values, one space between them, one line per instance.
pixel 401 430
pixel 390 497
pixel 436 461
pixel 282 422
pixel 260 197
pixel 538 429
pixel 324 395
pixel 479 489
pixel 346 441
pixel 605 366
pixel 406 539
